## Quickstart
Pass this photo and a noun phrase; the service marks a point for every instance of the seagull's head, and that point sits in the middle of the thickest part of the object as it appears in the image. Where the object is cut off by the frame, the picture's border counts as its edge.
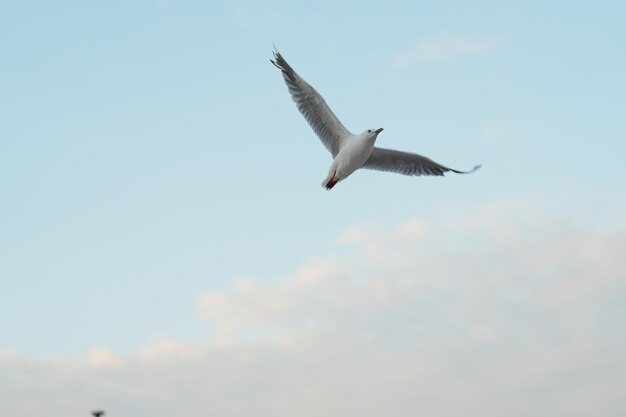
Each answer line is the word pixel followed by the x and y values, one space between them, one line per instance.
pixel 372 133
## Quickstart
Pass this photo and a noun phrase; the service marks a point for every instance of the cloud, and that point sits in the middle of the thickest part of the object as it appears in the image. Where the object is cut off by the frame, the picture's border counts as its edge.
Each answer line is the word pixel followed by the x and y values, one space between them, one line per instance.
pixel 254 14
pixel 506 311
pixel 101 357
pixel 505 131
pixel 443 47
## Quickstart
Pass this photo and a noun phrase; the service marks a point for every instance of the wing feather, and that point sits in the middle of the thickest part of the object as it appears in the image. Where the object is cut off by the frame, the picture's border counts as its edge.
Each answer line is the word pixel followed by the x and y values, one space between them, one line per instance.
pixel 406 163
pixel 313 107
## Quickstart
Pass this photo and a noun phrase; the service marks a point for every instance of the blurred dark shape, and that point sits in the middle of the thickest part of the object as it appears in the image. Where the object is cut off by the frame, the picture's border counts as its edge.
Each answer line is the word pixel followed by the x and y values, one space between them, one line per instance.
pixel 98 413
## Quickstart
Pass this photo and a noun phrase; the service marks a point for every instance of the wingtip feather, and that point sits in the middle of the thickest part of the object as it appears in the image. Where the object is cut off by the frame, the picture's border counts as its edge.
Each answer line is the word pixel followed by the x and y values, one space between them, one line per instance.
pixel 476 168
pixel 280 63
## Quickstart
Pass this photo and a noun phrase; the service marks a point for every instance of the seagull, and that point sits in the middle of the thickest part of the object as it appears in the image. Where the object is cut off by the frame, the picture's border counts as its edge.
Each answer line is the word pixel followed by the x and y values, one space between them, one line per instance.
pixel 98 413
pixel 351 152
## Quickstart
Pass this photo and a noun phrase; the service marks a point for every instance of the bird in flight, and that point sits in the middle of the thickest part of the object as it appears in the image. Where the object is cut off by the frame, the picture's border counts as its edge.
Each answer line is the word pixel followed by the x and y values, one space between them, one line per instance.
pixel 351 152
pixel 98 413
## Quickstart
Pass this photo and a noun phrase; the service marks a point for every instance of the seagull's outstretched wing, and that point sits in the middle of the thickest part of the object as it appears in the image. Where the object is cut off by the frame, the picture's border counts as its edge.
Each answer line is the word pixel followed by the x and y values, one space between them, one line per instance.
pixel 407 163
pixel 313 107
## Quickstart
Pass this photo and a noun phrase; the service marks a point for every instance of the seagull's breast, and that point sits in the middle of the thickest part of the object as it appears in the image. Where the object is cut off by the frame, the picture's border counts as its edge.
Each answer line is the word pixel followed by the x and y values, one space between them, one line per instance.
pixel 352 156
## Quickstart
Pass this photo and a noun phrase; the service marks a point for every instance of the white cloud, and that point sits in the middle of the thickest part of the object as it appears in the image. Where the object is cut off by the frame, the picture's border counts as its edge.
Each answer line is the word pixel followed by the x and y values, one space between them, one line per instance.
pixel 102 357
pixel 505 131
pixel 442 47
pixel 253 14
pixel 504 312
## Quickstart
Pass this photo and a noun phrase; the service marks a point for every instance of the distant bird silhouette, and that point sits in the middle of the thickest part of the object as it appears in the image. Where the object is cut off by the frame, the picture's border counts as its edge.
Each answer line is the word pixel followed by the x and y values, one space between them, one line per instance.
pixel 98 413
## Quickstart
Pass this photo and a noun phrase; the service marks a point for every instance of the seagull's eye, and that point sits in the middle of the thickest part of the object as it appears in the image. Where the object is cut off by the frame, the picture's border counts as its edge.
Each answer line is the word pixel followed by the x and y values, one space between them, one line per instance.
pixel 369 130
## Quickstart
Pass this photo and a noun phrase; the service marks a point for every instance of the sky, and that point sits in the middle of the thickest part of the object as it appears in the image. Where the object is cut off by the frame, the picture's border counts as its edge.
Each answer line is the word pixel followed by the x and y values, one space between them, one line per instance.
pixel 166 247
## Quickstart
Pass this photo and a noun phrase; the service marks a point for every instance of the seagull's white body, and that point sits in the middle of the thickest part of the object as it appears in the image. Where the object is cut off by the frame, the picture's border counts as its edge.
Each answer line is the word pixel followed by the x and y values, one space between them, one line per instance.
pixel 350 152
pixel 352 156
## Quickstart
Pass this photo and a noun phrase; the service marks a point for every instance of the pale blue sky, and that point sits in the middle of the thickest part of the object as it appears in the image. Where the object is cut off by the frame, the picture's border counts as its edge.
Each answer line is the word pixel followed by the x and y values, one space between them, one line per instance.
pixel 149 151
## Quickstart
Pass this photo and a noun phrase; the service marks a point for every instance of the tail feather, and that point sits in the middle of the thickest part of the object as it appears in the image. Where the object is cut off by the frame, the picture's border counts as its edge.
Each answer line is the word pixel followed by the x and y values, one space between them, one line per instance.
pixel 330 182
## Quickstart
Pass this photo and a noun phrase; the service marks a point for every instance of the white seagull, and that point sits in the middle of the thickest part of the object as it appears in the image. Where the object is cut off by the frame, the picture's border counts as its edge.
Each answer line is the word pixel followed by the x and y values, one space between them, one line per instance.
pixel 350 152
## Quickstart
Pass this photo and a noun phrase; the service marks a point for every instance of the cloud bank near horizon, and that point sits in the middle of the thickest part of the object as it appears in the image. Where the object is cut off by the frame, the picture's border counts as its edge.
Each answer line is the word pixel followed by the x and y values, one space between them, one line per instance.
pixel 502 312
